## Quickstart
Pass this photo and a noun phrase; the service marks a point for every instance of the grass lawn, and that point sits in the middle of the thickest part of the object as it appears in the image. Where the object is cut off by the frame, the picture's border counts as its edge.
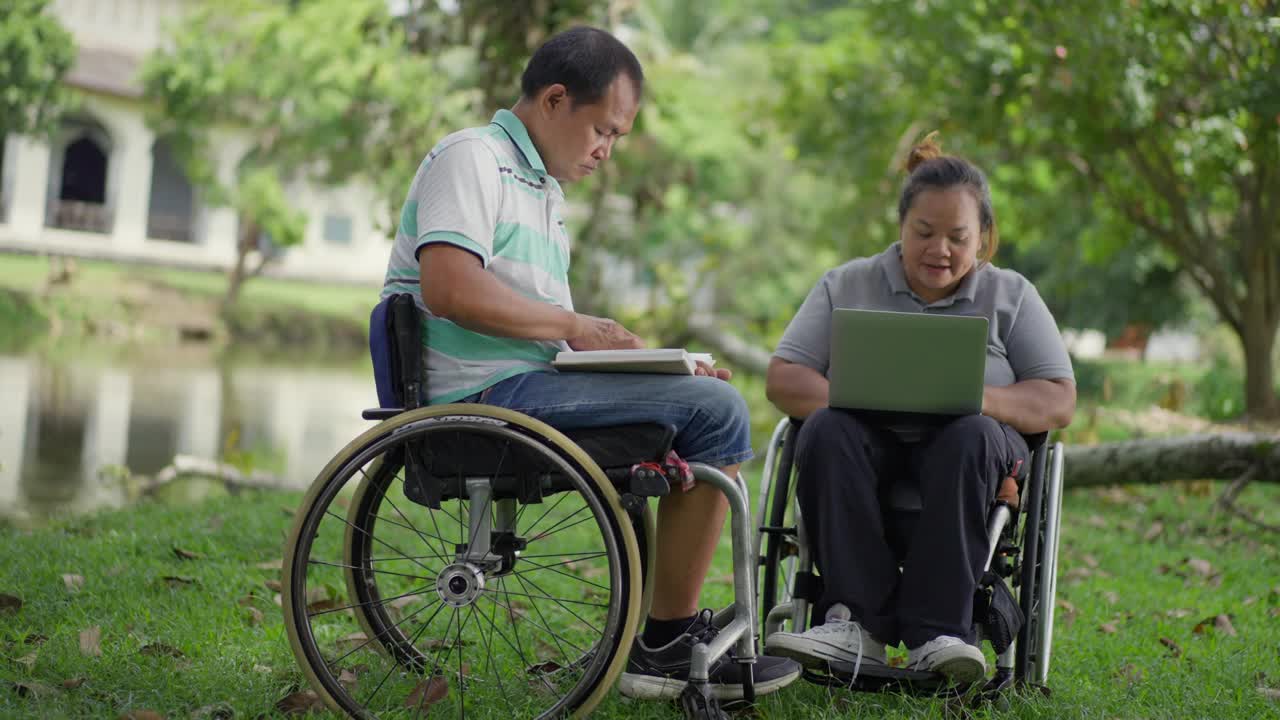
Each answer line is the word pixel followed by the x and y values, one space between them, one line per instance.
pixel 113 620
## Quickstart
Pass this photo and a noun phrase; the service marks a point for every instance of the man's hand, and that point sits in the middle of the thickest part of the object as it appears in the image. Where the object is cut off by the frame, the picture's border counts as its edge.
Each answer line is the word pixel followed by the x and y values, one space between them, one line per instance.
pixel 705 369
pixel 594 333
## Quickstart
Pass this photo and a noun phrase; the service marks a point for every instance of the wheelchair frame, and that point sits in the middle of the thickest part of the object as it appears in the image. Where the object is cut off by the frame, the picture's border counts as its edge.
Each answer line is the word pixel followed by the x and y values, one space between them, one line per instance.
pixel 1032 564
pixel 398 367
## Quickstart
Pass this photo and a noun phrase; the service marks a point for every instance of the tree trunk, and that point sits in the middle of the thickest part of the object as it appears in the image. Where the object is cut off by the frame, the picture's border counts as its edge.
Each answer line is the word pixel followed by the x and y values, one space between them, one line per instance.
pixel 1221 456
pixel 245 243
pixel 1258 338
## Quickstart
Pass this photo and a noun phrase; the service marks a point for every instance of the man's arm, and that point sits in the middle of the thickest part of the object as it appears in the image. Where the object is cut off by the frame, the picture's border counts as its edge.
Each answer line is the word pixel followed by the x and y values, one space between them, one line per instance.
pixel 795 389
pixel 455 286
pixel 1031 406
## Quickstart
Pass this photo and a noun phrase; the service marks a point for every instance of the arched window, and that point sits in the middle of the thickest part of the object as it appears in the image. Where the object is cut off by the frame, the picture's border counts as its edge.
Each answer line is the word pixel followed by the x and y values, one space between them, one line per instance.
pixel 78 198
pixel 171 211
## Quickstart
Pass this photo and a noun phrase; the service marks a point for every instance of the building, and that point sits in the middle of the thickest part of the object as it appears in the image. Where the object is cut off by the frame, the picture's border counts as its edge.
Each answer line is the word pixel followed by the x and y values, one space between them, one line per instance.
pixel 106 187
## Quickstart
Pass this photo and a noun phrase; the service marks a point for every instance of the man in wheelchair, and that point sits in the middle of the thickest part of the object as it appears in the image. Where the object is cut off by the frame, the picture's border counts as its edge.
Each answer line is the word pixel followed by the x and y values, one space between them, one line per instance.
pixel 483 249
pixel 884 583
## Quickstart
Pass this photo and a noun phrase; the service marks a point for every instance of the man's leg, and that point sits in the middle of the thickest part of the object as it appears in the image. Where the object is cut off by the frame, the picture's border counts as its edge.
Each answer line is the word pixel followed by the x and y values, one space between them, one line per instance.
pixel 712 427
pixel 689 526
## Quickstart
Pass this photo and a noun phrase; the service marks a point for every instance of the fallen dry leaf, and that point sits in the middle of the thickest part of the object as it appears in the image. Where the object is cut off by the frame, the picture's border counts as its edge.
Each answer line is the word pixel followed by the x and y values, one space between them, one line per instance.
pixel 73 582
pixel 278 599
pixel 274 585
pixel 347 679
pixel 1108 628
pixel 175 581
pixel 1221 623
pixel 33 690
pixel 1249 600
pixel 255 616
pixel 1270 693
pixel 1132 673
pixel 141 715
pixel 73 683
pixel 159 650
pixel 186 554
pixel 1174 648
pixel 1273 612
pixel 262 669
pixel 1177 613
pixel 247 600
pixel 427 692
pixel 1111 596
pixel 1096 521
pixel 218 711
pixel 299 703
pixel 271 565
pixel 352 641
pixel 1089 560
pixel 35 639
pixel 543 668
pixel 90 641
pixel 9 603
pixel 1200 566
pixel 1066 606
pixel 28 661
pixel 1154 531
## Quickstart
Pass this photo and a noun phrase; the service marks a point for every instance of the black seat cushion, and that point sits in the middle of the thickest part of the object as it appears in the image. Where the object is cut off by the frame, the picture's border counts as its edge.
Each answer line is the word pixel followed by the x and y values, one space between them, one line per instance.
pixel 619 446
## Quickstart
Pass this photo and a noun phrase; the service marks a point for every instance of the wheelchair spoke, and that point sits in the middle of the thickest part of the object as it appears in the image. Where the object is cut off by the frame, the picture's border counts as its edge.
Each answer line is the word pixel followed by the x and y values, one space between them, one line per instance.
pixel 488 650
pixel 547 625
pixel 547 534
pixel 412 641
pixel 554 505
pixel 546 596
pixel 395 626
pixel 378 603
pixel 592 553
pixel 553 568
pixel 364 532
pixel 372 570
pixel 512 610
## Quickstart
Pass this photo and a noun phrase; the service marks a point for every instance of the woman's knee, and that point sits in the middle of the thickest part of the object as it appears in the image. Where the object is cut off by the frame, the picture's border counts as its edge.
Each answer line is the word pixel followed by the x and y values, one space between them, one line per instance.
pixel 825 426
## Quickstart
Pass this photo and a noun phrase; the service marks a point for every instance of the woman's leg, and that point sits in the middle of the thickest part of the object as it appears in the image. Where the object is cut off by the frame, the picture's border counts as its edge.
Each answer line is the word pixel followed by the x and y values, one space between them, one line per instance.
pixel 958 470
pixel 840 463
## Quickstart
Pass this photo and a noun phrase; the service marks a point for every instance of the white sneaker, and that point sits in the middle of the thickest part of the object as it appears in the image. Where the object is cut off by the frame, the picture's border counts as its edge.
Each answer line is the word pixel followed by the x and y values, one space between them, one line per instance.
pixel 950 656
pixel 838 641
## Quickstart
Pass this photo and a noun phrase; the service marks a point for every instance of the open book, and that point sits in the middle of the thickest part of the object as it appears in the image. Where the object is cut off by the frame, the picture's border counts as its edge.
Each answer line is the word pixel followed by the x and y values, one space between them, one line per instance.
pixel 668 361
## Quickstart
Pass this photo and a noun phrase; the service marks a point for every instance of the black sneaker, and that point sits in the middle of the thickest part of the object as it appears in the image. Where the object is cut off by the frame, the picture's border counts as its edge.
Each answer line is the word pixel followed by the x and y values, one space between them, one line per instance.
pixel 661 673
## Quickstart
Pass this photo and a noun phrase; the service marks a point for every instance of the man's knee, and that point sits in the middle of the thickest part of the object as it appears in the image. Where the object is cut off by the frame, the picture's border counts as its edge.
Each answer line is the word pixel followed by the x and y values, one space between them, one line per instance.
pixel 971 432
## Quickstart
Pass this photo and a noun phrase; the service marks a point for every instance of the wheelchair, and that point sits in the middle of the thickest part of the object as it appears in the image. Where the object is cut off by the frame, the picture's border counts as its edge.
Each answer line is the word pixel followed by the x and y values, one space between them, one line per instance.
pixel 1023 550
pixel 467 559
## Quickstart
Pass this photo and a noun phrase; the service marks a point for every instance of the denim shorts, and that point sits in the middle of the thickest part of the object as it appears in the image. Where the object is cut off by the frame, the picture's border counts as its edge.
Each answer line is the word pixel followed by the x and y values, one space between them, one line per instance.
pixel 709 415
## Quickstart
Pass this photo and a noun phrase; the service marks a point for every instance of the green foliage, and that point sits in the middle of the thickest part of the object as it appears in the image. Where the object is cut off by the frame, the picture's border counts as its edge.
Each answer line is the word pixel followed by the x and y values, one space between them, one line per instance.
pixel 35 52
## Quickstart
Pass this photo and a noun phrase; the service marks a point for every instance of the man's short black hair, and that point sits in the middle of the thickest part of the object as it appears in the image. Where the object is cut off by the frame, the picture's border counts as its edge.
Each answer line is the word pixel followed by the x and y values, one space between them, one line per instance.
pixel 585 60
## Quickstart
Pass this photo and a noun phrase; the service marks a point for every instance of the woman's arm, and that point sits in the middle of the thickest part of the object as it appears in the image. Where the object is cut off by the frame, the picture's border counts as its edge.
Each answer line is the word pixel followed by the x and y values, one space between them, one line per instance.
pixel 1031 406
pixel 795 389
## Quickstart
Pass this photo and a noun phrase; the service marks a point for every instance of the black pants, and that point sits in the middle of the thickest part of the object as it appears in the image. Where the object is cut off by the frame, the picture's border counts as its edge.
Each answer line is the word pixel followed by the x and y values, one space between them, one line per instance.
pixel 844 466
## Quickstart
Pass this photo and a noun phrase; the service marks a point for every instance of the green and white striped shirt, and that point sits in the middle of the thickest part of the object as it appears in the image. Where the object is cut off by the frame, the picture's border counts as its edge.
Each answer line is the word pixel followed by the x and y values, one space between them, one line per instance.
pixel 487 191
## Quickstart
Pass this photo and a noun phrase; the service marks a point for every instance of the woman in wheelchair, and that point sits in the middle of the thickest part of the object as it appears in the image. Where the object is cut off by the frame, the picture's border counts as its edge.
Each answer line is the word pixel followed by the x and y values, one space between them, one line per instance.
pixel 882 583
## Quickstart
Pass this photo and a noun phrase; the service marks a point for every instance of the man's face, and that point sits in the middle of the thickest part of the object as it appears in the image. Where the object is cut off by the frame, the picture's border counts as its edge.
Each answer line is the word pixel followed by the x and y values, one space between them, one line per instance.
pixel 576 138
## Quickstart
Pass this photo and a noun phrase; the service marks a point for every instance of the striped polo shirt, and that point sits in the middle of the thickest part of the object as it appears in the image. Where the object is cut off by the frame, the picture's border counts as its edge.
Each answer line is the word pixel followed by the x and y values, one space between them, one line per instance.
pixel 486 191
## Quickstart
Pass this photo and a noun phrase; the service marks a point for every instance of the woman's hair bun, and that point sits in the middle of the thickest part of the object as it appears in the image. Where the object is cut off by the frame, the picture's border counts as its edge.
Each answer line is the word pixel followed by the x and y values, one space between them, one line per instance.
pixel 926 149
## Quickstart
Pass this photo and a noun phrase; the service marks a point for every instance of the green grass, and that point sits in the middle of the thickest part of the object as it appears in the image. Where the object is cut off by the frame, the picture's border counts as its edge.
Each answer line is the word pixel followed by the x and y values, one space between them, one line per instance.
pixel 1125 565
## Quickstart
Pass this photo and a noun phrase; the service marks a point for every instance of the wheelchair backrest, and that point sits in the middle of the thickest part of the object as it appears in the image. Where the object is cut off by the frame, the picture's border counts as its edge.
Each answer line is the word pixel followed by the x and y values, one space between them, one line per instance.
pixel 395 346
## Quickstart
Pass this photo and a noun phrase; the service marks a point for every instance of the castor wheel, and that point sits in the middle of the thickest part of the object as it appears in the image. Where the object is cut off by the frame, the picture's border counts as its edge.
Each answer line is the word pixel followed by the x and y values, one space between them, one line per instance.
pixel 698 704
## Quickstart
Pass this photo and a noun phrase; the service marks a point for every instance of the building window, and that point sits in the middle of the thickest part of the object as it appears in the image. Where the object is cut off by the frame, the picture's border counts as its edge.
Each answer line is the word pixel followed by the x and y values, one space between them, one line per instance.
pixel 337 229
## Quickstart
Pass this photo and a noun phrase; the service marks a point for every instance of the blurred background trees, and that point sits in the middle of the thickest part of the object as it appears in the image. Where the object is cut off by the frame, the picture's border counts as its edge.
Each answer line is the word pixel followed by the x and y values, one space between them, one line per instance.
pixel 1133 148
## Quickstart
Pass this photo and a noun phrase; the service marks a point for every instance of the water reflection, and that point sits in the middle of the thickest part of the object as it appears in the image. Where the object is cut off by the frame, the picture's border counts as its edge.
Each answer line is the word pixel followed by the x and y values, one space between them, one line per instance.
pixel 62 423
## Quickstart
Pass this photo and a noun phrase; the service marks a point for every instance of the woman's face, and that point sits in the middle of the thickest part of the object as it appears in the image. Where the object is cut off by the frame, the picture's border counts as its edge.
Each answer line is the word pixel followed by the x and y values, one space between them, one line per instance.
pixel 940 241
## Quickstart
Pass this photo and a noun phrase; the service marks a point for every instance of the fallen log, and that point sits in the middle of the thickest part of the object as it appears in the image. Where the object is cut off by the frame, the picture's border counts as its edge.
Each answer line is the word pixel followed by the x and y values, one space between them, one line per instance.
pixel 1210 456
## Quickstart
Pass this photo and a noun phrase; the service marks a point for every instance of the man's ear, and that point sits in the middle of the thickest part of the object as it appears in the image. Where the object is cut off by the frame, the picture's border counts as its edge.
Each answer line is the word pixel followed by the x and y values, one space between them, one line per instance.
pixel 552 98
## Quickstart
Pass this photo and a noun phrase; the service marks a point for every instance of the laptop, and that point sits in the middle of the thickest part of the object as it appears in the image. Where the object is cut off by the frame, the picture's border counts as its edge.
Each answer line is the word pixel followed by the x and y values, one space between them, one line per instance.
pixel 914 363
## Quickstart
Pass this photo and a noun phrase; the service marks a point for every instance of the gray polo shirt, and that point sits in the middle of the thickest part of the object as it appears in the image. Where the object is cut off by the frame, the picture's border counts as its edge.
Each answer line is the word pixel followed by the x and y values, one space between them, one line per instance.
pixel 1023 342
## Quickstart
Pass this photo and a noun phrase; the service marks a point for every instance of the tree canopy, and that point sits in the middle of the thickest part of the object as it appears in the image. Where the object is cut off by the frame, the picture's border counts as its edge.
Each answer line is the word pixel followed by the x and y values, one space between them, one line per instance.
pixel 35 52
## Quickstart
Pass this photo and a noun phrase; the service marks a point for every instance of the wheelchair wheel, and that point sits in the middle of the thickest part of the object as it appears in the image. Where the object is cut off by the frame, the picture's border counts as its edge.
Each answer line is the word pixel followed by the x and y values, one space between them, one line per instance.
pixel 518 597
pixel 1039 569
pixel 781 548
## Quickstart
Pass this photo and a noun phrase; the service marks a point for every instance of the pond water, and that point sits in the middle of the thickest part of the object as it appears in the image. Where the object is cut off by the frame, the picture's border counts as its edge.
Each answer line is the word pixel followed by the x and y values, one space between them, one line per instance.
pixel 65 424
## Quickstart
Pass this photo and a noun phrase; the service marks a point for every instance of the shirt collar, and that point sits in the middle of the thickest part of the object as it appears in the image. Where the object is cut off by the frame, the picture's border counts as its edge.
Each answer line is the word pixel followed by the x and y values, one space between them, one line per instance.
pixel 891 262
pixel 519 135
